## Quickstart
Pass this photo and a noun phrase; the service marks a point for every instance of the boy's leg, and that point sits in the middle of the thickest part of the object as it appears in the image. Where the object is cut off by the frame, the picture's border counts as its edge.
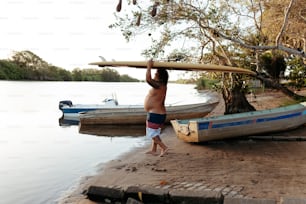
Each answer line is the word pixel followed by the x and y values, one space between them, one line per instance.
pixel 154 146
pixel 153 150
pixel 164 148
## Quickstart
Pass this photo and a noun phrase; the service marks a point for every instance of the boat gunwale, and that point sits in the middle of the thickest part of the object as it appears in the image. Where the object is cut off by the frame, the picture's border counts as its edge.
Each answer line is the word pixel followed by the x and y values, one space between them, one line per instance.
pixel 172 110
pixel 262 113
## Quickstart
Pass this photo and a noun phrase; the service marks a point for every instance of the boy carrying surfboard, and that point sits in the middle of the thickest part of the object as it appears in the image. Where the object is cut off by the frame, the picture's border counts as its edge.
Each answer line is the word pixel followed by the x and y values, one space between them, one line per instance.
pixel 154 105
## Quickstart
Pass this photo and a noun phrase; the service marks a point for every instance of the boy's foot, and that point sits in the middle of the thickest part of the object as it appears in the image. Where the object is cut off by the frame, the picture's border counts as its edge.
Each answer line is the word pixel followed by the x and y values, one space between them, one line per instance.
pixel 152 153
pixel 163 152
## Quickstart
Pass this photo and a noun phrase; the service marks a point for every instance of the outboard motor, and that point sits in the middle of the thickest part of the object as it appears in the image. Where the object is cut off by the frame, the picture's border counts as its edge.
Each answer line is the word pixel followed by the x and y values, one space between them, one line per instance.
pixel 64 103
pixel 110 101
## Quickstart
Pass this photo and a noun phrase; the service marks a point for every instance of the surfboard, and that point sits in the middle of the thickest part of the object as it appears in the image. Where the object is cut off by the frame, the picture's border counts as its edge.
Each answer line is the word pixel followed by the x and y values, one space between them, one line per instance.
pixel 174 66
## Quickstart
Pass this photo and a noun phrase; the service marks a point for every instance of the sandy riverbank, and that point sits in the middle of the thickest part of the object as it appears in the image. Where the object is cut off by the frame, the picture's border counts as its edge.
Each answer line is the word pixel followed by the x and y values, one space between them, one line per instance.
pixel 260 169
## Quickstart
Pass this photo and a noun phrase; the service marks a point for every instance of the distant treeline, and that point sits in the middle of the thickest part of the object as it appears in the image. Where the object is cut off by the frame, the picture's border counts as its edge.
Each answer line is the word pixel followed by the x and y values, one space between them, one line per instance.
pixel 25 65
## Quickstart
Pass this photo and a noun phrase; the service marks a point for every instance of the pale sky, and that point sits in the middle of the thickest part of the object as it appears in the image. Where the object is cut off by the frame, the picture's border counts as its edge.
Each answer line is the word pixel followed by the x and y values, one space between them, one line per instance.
pixel 67 33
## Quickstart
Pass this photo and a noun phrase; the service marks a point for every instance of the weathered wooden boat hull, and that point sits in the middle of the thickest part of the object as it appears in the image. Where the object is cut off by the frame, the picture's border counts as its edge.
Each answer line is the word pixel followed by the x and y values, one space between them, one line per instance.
pixel 135 116
pixel 240 124
pixel 113 130
pixel 72 111
pixel 76 115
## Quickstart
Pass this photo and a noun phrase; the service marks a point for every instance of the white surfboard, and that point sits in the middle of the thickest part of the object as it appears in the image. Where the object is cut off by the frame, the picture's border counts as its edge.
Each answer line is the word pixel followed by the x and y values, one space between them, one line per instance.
pixel 174 66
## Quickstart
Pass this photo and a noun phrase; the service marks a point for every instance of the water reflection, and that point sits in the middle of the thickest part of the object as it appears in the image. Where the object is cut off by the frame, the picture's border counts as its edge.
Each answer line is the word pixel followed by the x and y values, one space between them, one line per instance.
pixel 113 130
pixel 67 122
pixel 104 130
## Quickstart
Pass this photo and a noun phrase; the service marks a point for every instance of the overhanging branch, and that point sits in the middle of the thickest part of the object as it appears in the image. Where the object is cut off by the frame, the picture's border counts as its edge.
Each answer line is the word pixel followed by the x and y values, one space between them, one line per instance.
pixel 260 48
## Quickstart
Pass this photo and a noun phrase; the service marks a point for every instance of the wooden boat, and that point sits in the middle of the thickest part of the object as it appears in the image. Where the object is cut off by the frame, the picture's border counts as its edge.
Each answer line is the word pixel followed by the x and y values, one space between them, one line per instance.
pixel 241 124
pixel 113 130
pixel 136 116
pixel 71 111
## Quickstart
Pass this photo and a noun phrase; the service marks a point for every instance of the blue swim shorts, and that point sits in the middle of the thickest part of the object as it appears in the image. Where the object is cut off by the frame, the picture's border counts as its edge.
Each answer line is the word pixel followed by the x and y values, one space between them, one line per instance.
pixel 154 124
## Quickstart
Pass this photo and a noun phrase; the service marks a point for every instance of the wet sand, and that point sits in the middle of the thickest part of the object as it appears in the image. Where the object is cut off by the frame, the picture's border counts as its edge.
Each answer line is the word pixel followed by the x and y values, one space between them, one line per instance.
pixel 258 168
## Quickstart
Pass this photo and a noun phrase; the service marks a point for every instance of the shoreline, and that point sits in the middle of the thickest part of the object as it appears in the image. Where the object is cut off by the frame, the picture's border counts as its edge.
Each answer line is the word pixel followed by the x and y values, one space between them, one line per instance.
pixel 244 164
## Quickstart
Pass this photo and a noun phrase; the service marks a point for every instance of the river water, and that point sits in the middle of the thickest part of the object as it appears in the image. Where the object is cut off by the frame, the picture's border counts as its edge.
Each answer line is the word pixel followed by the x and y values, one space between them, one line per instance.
pixel 40 160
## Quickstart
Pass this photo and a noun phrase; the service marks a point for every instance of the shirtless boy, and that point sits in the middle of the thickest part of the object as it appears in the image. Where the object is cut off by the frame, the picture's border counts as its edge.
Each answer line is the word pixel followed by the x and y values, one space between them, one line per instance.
pixel 154 105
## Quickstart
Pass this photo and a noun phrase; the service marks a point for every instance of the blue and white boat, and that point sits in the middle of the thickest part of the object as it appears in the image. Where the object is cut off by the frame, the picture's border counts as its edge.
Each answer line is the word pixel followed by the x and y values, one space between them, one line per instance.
pixel 241 124
pixel 72 111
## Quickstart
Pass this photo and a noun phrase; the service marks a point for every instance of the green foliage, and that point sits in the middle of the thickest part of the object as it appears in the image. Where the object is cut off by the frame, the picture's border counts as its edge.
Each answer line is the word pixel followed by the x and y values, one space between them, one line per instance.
pixel 107 75
pixel 110 75
pixel 64 75
pixel 273 63
pixel 191 25
pixel 26 65
pixel 204 83
pixel 226 32
pixel 297 74
pixel 127 78
pixel 77 75
pixel 10 70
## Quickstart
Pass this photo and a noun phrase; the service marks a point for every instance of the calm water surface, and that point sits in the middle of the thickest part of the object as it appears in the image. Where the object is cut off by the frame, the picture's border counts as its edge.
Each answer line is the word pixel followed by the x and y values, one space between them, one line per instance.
pixel 41 160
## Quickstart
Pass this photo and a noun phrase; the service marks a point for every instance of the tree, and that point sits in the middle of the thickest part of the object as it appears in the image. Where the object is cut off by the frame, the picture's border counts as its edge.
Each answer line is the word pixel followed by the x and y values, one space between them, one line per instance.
pixel 274 64
pixel 212 31
pixel 127 78
pixel 10 70
pixel 77 75
pixel 25 65
pixel 294 32
pixel 110 75
pixel 64 74
pixel 32 67
pixel 297 74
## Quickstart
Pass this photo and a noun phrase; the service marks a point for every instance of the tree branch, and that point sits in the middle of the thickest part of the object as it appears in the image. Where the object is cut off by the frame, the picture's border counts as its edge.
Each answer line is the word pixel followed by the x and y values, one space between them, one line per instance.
pixel 276 85
pixel 285 22
pixel 301 14
pixel 260 48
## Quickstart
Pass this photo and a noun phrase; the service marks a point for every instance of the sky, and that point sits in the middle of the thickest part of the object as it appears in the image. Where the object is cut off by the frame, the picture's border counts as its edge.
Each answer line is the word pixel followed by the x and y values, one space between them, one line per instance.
pixel 67 33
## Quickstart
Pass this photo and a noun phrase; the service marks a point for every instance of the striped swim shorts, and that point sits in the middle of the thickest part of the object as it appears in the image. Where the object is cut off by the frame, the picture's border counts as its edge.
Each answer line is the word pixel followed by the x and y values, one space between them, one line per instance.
pixel 154 124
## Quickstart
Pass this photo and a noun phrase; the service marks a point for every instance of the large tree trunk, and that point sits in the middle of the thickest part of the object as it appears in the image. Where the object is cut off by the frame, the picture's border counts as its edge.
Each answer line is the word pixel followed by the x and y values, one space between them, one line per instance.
pixel 235 101
pixel 234 97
